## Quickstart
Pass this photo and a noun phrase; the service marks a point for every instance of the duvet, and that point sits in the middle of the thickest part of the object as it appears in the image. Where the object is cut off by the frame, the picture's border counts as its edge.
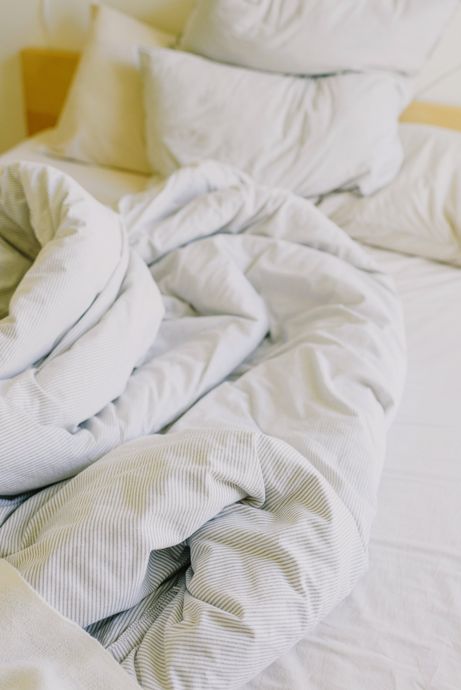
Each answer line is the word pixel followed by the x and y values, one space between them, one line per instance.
pixel 194 396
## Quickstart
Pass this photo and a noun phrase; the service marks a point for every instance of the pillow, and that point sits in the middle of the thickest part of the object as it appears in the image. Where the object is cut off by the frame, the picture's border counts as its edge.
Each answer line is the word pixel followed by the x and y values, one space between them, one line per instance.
pixel 103 119
pixel 307 135
pixel 318 36
pixel 420 211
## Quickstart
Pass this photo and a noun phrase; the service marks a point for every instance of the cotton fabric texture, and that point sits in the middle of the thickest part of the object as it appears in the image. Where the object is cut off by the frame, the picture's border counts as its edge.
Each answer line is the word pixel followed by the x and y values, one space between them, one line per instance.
pixel 260 407
pixel 45 651
pixel 419 213
pixel 79 310
pixel 312 37
pixel 305 135
pixel 103 117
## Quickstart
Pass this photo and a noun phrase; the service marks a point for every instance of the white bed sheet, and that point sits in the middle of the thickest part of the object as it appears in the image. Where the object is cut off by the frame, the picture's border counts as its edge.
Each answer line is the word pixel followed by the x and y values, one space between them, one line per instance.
pixel 399 630
pixel 106 184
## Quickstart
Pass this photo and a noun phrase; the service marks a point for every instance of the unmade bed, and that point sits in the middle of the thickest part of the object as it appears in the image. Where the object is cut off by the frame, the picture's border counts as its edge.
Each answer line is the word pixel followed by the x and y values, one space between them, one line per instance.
pixel 229 358
pixel 398 628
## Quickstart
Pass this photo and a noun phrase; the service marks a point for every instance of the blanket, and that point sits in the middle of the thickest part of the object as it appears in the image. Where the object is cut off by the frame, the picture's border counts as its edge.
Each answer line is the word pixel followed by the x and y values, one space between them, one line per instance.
pixel 195 394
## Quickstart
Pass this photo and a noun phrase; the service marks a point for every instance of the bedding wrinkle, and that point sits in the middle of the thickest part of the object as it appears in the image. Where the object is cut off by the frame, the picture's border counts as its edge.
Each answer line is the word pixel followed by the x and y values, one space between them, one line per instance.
pixel 418 213
pixel 343 127
pixel 312 38
pixel 198 489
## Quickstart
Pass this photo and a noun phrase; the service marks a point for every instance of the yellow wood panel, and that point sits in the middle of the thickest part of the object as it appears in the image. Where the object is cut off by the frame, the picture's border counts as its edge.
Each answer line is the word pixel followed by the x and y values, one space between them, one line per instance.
pixel 47 74
pixel 425 113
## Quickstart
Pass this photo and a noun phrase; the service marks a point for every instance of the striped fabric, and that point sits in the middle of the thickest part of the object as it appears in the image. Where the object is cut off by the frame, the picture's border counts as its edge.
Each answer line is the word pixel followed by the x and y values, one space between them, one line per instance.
pixel 237 512
pixel 71 289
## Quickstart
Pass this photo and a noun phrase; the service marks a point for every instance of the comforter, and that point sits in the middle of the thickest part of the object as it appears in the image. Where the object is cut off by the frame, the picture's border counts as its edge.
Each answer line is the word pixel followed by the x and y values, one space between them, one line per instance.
pixel 194 394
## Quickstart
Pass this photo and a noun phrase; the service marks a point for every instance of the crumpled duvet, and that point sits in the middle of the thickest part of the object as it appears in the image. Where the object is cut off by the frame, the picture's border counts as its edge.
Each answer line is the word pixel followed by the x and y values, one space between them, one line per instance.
pixel 197 493
pixel 79 310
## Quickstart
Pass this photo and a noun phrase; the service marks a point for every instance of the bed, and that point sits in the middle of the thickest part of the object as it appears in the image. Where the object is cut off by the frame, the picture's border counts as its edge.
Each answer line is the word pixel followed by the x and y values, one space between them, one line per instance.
pixel 398 629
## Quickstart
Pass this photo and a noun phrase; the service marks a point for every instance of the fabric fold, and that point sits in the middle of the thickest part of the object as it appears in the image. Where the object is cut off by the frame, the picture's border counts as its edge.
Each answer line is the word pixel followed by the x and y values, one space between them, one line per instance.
pixel 221 505
pixel 41 649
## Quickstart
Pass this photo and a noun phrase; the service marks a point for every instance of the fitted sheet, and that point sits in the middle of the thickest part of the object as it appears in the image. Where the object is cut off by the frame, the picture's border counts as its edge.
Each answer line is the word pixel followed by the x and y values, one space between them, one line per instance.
pixel 399 630
pixel 106 184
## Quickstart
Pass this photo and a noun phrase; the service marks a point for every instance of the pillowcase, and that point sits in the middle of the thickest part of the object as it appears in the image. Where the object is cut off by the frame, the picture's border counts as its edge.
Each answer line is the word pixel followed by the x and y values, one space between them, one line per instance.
pixel 103 118
pixel 420 211
pixel 306 135
pixel 318 36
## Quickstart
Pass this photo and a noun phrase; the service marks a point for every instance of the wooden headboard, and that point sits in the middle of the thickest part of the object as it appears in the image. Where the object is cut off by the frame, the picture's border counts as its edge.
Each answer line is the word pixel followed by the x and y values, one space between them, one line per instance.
pixel 47 74
pixel 425 113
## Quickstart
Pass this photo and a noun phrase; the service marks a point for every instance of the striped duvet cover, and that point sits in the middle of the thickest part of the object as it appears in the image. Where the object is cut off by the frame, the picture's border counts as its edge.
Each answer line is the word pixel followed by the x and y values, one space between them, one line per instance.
pixel 194 396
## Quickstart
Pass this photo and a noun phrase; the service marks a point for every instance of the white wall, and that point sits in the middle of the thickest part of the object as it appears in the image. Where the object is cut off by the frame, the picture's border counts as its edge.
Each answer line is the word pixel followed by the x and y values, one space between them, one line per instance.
pixel 19 26
pixel 66 21
pixel 63 23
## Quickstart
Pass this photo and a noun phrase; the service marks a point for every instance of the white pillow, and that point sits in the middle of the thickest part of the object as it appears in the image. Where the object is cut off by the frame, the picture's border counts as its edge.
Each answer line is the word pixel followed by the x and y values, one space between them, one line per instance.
pixel 318 36
pixel 420 211
pixel 103 118
pixel 307 135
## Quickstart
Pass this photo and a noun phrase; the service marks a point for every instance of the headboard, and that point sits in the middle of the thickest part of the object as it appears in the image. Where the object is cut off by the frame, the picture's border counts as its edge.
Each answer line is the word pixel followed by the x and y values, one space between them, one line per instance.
pixel 424 112
pixel 47 74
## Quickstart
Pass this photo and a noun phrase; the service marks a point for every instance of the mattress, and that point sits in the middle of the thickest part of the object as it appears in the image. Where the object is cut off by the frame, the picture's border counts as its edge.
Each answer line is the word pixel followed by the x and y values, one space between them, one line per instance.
pixel 399 630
